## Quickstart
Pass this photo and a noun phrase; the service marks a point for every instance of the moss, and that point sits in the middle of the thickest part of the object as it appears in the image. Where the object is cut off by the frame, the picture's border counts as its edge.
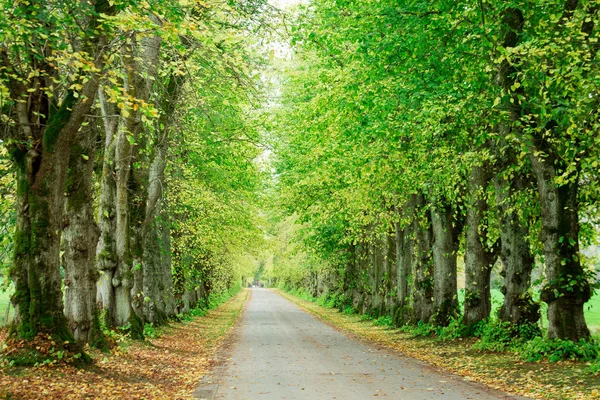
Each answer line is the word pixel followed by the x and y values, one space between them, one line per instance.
pixel 19 157
pixel 97 338
pixel 40 307
pixel 104 319
pixel 446 312
pixel 21 296
pixel 58 121
pixel 361 304
pixel 160 318
pixel 44 348
pixel 107 255
pixel 375 312
pixel 403 316
pixel 77 194
pixel 137 327
pixel 25 357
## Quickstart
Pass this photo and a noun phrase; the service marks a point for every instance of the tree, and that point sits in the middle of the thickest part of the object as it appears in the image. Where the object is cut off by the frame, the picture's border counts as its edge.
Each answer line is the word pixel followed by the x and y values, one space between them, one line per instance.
pixel 50 77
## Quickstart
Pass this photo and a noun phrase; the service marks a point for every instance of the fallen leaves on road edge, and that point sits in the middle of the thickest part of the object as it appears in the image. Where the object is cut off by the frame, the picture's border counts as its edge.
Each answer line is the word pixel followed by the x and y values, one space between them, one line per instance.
pixel 168 367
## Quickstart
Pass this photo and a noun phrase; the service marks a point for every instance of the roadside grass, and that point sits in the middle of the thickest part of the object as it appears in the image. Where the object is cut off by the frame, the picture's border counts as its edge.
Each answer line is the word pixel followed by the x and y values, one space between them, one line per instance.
pixel 591 310
pixel 167 366
pixel 592 315
pixel 500 370
pixel 4 303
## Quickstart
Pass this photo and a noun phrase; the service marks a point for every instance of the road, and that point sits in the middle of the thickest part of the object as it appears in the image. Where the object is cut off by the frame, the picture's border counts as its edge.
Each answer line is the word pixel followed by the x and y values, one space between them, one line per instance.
pixel 281 352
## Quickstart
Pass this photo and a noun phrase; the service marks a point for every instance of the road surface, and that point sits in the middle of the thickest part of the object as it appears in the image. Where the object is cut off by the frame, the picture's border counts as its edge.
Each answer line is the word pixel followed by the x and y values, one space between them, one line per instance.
pixel 281 352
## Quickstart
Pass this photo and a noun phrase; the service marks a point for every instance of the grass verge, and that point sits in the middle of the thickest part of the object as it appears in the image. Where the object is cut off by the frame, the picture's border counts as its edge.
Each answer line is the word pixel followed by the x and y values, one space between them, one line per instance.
pixel 5 309
pixel 168 366
pixel 505 371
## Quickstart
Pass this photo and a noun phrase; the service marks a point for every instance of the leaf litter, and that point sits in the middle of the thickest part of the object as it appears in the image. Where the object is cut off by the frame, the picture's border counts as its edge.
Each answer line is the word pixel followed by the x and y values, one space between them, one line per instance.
pixel 167 367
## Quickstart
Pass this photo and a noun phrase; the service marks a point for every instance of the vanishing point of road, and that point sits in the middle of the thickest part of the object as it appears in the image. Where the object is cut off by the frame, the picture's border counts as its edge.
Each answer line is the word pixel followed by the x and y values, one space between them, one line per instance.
pixel 281 352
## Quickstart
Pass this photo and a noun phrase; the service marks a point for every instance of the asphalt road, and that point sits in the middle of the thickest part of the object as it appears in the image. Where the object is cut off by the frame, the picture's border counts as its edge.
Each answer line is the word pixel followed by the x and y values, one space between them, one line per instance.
pixel 281 352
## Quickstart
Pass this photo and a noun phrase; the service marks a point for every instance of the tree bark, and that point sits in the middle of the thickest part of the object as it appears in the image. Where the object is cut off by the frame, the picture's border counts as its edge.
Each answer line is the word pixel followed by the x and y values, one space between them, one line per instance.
pixel 405 246
pixel 106 254
pixel 479 256
pixel 141 183
pixel 423 288
pixel 567 288
pixel 80 239
pixel 391 295
pixel 36 269
pixel 403 267
pixel 122 280
pixel 516 256
pixel 445 247
pixel 376 268
pixel 126 237
pixel 350 277
pixel 166 284
pixel 155 226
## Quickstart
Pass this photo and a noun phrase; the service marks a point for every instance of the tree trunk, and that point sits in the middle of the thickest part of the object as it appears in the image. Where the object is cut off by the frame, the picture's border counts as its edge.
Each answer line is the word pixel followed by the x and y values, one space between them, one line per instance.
pixel 153 244
pixel 517 260
pixel 106 254
pixel 423 292
pixel 123 276
pixel 515 254
pixel 349 278
pixel 158 281
pixel 567 288
pixel 405 246
pixel 402 266
pixel 152 306
pixel 36 269
pixel 376 268
pixel 391 294
pixel 41 176
pixel 166 284
pixel 362 268
pixel 445 247
pixel 479 257
pixel 139 87
pixel 140 181
pixel 80 239
pixel 41 180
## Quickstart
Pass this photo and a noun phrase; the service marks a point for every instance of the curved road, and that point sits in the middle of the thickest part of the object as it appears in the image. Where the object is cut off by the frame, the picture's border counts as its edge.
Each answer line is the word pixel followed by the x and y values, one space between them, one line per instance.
pixel 281 352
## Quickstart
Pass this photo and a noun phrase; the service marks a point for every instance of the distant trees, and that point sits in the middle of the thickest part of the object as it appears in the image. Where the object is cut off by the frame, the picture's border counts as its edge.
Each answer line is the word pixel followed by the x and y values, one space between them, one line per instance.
pixel 454 128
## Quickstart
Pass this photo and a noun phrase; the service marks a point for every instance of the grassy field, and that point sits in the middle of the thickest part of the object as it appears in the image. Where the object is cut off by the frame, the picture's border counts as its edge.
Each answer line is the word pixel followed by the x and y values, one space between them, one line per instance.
pixel 592 314
pixel 592 310
pixel 4 301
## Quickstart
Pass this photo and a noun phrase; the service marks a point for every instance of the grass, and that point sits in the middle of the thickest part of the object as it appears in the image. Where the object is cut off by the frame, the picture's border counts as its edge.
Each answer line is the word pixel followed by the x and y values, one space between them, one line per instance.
pixel 592 314
pixel 591 310
pixel 4 303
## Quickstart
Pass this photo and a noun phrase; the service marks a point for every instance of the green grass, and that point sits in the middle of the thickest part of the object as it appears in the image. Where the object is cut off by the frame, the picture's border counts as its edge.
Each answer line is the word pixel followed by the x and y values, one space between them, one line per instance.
pixel 592 314
pixel 591 309
pixel 4 301
pixel 497 299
